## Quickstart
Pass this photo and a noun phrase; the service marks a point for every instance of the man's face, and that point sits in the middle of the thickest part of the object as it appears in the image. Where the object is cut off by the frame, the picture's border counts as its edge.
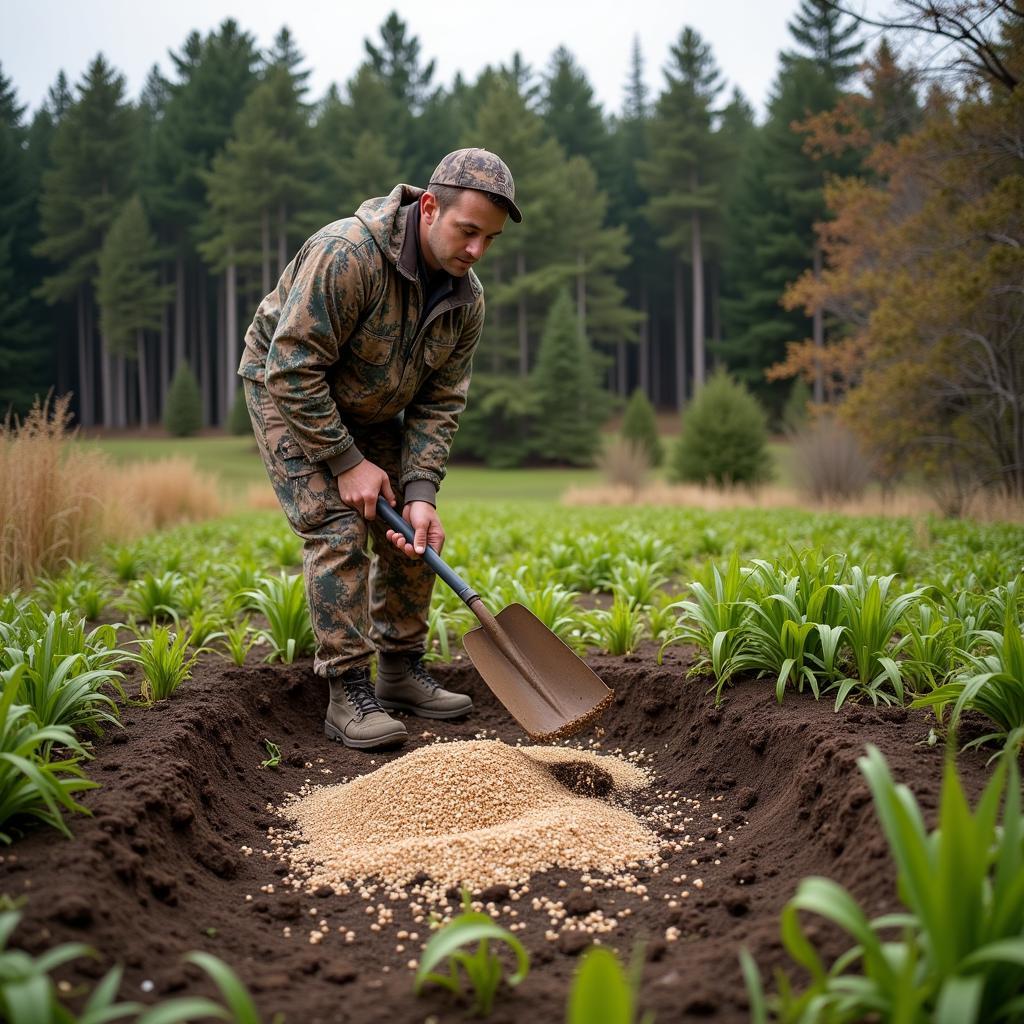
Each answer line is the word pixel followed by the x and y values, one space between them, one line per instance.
pixel 458 238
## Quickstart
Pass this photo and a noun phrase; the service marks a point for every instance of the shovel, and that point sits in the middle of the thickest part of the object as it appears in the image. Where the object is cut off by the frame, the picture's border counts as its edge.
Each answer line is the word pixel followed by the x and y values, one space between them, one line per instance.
pixel 546 688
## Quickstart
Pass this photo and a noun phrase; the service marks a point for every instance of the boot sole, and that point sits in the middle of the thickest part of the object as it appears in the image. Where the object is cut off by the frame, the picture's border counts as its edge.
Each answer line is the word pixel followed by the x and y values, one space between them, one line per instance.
pixel 391 739
pixel 412 709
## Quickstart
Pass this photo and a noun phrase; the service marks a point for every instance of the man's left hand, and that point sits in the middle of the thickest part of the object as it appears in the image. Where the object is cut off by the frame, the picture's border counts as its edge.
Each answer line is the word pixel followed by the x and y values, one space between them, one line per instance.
pixel 428 531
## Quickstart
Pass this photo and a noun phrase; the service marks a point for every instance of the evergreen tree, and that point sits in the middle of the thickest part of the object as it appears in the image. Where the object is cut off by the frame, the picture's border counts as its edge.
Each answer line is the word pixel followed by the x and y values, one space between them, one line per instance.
pixel 23 350
pixel 572 116
pixel 94 154
pixel 724 438
pixel 570 407
pixel 628 197
pixel 356 149
pixel 779 200
pixel 640 426
pixel 130 297
pixel 515 272
pixel 680 175
pixel 183 410
pixel 396 59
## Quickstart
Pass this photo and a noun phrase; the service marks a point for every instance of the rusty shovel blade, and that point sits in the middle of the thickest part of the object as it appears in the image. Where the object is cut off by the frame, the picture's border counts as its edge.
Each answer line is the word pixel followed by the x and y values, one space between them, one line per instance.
pixel 549 691
pixel 547 688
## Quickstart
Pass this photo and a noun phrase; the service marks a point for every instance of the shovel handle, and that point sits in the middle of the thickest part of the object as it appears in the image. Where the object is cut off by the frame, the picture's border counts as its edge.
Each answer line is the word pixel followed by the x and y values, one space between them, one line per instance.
pixel 430 556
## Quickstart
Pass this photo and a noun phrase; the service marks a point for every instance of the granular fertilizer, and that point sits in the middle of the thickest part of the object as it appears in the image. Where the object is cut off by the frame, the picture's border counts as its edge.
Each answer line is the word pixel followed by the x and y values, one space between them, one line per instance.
pixel 476 813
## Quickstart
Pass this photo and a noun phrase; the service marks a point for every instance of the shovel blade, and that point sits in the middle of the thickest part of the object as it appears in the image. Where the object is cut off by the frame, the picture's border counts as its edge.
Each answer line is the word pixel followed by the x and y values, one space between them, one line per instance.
pixel 571 696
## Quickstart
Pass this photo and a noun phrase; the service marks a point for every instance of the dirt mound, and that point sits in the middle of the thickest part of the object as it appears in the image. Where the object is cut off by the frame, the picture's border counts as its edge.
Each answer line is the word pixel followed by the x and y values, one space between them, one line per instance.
pixel 176 857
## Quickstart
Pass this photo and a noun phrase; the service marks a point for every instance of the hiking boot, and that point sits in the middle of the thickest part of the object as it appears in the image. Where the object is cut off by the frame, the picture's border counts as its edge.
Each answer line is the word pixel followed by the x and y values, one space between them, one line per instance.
pixel 404 684
pixel 355 717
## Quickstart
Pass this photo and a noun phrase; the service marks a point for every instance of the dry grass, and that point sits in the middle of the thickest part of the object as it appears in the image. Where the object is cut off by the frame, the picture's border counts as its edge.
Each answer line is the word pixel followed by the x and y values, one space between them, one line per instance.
pixel 61 501
pixel 901 503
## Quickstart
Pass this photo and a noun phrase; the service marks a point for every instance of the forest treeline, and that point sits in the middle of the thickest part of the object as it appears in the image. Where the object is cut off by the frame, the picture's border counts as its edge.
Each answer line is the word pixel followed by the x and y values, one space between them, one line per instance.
pixel 137 237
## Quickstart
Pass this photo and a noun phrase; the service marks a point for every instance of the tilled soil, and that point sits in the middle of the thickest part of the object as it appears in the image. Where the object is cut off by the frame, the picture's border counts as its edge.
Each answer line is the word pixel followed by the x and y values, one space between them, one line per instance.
pixel 172 860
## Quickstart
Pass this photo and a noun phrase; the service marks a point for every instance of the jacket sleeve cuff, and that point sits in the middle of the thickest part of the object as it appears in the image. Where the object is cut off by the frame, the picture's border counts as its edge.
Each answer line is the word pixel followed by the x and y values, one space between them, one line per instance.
pixel 348 459
pixel 421 490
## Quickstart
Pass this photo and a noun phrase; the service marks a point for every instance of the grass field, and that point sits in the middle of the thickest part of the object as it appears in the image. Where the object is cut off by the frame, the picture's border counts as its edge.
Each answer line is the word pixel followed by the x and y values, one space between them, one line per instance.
pixel 235 464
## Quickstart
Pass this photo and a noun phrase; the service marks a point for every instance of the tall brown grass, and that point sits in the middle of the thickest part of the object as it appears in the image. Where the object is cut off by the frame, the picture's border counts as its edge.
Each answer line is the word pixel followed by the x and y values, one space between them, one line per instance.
pixel 60 500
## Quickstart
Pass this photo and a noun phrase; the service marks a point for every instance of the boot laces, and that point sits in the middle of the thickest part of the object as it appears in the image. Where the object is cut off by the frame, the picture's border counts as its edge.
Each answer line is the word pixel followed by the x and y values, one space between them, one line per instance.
pixel 360 693
pixel 419 672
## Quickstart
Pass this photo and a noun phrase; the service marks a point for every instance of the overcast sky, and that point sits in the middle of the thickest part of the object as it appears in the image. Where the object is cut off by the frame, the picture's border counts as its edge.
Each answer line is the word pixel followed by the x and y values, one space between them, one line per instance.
pixel 41 37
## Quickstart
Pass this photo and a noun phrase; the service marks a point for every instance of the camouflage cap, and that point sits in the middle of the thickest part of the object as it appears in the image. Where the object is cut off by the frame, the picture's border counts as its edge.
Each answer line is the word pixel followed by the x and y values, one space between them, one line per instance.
pixel 479 169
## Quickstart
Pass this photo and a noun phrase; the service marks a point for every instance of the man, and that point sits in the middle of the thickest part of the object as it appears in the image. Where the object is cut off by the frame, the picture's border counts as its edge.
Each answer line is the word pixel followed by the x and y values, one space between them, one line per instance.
pixel 356 369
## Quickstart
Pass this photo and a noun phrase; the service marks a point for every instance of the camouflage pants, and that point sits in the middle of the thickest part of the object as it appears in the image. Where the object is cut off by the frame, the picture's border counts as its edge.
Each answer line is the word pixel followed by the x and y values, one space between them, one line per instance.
pixel 358 604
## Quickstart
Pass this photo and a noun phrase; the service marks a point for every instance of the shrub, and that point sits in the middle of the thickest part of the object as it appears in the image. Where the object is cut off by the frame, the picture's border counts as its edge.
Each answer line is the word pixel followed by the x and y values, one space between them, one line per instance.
pixel 496 424
pixel 570 407
pixel 183 412
pixel 828 461
pixel 724 436
pixel 640 426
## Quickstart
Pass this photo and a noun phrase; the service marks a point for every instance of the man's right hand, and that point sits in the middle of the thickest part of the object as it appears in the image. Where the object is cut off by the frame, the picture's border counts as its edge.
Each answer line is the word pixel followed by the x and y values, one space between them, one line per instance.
pixel 360 485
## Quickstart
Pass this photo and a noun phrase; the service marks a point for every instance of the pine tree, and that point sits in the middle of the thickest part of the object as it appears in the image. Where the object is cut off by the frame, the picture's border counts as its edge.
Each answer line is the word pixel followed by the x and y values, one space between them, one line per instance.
pixel 23 349
pixel 183 410
pixel 570 407
pixel 630 141
pixel 94 154
pixel 515 272
pixel 640 426
pixel 724 436
pixel 680 175
pixel 259 183
pixel 572 115
pixel 130 297
pixel 779 200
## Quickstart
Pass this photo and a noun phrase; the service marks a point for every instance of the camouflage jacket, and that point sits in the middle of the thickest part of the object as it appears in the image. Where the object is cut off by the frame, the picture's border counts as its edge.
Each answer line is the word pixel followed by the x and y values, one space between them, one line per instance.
pixel 339 344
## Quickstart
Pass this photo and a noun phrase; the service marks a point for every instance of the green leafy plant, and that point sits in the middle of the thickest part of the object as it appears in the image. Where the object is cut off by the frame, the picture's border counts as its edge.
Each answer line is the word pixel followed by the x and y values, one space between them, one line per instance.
pixel 711 620
pixel 237 639
pixel 602 992
pixel 872 619
pixel 127 563
pixel 154 597
pixel 959 956
pixel 31 783
pixel 991 683
pixel 619 629
pixel 639 581
pixel 29 996
pixel 273 755
pixel 282 601
pixel 483 969
pixel 552 603
pixel 166 662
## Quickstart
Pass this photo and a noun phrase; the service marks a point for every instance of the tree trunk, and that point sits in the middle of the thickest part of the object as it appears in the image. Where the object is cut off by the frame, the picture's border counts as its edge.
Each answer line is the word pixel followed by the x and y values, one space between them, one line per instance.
pixel 644 355
pixel 657 384
pixel 140 341
pixel 220 357
pixel 230 334
pixel 680 336
pixel 85 395
pixel 818 324
pixel 180 286
pixel 106 385
pixel 697 271
pixel 496 334
pixel 265 248
pixel 622 360
pixel 282 239
pixel 524 341
pixel 208 375
pixel 164 356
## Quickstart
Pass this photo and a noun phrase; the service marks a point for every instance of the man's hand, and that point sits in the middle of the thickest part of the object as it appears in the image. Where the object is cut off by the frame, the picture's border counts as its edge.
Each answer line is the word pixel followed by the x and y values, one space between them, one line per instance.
pixel 422 517
pixel 360 485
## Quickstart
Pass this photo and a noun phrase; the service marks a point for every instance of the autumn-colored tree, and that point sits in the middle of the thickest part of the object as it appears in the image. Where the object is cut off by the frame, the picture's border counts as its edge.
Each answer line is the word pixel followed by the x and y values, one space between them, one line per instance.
pixel 924 264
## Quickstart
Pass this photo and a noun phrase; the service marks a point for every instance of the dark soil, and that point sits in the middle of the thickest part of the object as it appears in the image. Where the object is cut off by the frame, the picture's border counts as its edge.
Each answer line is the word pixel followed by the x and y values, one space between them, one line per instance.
pixel 158 869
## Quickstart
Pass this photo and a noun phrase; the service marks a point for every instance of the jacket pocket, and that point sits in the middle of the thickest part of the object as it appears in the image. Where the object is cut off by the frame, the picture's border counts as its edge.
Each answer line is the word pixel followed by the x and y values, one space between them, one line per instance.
pixel 438 347
pixel 292 459
pixel 372 348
